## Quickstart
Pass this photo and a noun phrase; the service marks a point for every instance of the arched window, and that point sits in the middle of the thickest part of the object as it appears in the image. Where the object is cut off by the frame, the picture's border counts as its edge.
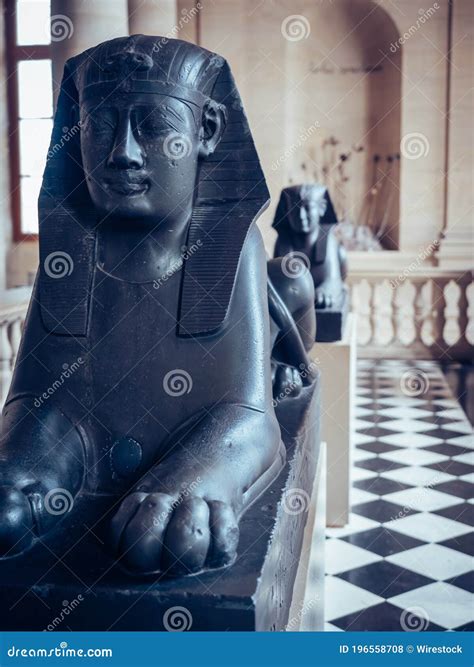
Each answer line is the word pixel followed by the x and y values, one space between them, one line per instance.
pixel 30 106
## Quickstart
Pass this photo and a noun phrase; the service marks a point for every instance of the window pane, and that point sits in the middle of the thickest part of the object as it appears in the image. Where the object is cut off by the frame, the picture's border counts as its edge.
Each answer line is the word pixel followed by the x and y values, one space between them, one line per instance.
pixel 30 188
pixel 35 136
pixel 33 22
pixel 35 88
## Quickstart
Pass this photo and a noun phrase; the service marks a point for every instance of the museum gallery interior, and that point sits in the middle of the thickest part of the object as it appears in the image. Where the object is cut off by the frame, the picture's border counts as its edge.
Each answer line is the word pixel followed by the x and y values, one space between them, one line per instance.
pixel 236 315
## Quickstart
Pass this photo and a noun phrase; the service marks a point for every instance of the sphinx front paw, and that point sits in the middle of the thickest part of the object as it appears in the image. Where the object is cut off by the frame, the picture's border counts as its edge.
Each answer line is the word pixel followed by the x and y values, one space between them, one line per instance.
pixel 156 532
pixel 16 522
pixel 287 382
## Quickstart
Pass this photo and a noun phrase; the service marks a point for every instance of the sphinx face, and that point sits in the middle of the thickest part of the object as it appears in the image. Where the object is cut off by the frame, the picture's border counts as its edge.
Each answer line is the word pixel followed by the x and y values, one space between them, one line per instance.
pixel 140 155
pixel 305 214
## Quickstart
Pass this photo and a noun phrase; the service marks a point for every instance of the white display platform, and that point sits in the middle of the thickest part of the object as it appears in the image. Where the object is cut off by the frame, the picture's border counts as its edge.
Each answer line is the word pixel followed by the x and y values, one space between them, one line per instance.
pixel 307 605
pixel 337 363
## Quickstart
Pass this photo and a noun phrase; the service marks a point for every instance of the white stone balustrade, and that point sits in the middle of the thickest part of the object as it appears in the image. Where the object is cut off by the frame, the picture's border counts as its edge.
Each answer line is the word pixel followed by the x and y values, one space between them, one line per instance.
pixel 422 312
pixel 12 317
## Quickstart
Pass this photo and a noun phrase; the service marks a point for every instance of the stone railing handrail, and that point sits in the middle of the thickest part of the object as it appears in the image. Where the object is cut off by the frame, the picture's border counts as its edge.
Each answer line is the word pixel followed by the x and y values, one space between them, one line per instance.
pixel 408 308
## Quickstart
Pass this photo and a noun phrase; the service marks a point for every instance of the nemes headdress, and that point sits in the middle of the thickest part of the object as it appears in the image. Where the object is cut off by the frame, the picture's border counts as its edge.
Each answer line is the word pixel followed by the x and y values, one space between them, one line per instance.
pixel 290 198
pixel 231 190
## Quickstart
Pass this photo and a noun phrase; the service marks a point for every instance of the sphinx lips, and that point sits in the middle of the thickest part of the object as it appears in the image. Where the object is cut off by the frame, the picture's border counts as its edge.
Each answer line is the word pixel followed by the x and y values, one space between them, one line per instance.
pixel 126 187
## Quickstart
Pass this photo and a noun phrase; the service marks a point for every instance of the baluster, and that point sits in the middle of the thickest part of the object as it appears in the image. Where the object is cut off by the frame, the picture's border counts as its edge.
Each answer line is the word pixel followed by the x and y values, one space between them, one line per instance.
pixel 375 314
pixel 5 361
pixel 419 311
pixel 410 314
pixel 439 306
pixel 463 318
pixel 428 329
pixel 14 331
pixel 385 294
pixel 451 331
pixel 469 332
pixel 391 314
pixel 397 316
pixel 372 316
pixel 361 304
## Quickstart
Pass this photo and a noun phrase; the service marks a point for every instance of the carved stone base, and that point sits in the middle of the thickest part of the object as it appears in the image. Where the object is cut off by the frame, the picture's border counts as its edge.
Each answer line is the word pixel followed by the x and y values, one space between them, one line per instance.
pixel 72 585
pixel 330 322
pixel 337 362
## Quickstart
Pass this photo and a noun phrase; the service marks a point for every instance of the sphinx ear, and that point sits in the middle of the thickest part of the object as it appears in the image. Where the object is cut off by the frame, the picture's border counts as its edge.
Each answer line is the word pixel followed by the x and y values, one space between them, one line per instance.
pixel 214 121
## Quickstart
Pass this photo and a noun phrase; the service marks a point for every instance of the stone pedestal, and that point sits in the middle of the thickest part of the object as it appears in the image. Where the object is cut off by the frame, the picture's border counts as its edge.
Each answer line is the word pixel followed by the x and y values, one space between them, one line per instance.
pixel 71 584
pixel 307 605
pixel 330 322
pixel 337 363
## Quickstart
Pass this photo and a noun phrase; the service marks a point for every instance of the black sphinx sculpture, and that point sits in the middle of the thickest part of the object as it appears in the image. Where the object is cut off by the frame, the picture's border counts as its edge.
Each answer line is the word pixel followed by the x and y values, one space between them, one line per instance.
pixel 304 221
pixel 144 376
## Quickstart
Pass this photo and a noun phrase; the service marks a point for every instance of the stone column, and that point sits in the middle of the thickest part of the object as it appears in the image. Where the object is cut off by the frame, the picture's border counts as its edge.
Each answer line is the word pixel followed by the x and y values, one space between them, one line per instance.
pixel 148 17
pixel 76 26
pixel 457 248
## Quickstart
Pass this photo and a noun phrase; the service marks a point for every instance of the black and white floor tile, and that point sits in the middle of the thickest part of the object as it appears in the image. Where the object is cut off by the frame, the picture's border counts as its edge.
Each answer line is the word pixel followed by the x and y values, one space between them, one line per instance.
pixel 404 561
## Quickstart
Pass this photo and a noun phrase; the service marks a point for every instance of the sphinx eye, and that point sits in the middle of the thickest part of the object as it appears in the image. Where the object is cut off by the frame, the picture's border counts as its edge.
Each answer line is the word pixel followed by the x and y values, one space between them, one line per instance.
pixel 100 122
pixel 147 122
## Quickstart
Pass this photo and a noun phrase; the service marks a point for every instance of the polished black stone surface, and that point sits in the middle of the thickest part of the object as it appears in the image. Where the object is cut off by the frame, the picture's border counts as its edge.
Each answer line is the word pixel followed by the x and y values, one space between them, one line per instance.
pixel 383 617
pixel 382 541
pixel 254 593
pixel 331 321
pixel 157 344
pixel 385 579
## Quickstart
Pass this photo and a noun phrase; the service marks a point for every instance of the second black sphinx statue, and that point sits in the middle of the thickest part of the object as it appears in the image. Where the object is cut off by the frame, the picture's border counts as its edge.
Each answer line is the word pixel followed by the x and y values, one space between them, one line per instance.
pixel 144 374
pixel 304 221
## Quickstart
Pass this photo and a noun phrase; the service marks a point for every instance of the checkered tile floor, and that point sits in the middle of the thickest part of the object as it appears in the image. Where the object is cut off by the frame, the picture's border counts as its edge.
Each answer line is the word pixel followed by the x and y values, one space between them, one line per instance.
pixel 405 559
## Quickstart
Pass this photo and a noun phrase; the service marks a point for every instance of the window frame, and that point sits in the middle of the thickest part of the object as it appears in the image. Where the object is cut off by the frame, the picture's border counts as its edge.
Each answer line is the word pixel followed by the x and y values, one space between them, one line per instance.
pixel 14 54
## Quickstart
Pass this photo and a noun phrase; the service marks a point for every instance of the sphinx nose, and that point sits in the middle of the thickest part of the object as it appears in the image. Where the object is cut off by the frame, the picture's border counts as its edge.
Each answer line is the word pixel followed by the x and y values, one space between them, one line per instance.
pixel 127 152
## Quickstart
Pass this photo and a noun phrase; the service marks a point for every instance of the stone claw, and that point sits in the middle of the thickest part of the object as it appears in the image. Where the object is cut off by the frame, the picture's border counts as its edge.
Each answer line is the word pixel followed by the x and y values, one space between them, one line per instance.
pixel 322 299
pixel 16 522
pixel 287 383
